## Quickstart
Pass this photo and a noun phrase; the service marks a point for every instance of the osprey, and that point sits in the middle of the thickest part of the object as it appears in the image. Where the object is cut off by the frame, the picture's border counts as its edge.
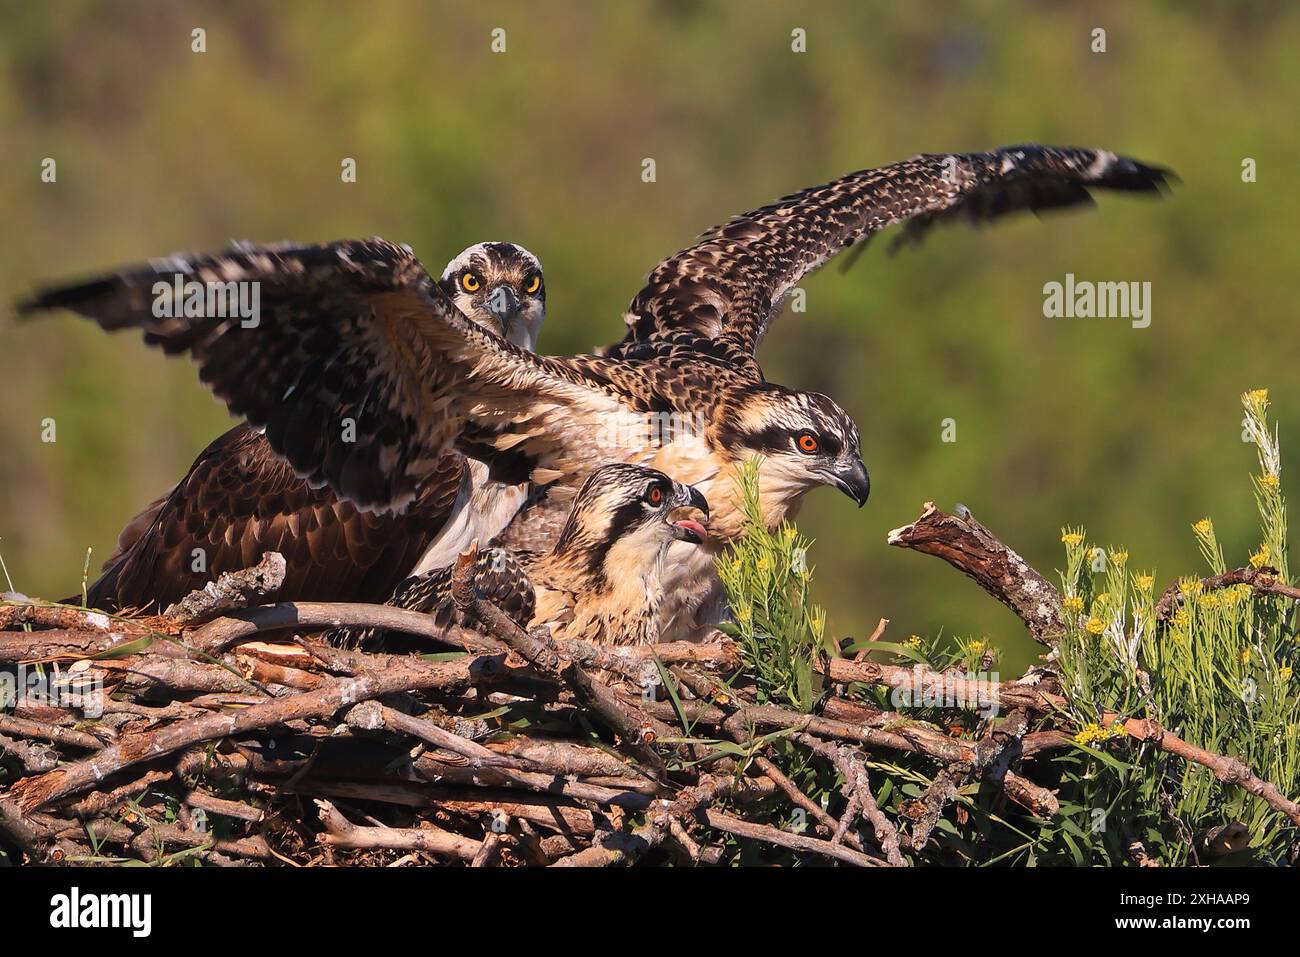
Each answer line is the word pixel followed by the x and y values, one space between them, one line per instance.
pixel 357 335
pixel 239 499
pixel 603 581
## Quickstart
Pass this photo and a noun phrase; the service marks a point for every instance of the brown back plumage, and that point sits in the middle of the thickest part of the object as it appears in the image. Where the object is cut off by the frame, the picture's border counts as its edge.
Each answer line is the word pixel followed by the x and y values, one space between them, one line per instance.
pixel 357 331
pixel 601 580
pixel 238 500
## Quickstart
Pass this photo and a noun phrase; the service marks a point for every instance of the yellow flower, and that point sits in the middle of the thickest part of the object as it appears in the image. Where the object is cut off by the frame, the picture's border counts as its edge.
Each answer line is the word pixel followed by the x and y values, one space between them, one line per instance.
pixel 1181 618
pixel 1145 582
pixel 1179 637
pixel 1190 588
pixel 1072 539
pixel 1260 558
pixel 744 613
pixel 913 642
pixel 1072 604
pixel 1093 732
pixel 1269 481
pixel 762 562
pixel 1284 672
pixel 1210 600
pixel 1119 558
pixel 1203 527
pixel 1245 656
pixel 1103 598
pixel 1257 397
pixel 976 647
pixel 1088 733
pixel 1095 625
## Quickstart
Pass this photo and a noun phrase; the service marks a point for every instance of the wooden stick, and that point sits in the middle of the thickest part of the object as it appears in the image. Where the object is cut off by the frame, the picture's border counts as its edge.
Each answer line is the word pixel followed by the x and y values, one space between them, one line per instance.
pixel 132 749
pixel 797 842
pixel 977 553
pixel 232 590
pixel 340 832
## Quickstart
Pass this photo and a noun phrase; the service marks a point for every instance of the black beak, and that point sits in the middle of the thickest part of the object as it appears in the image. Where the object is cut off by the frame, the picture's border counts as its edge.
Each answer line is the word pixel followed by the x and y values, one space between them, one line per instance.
pixel 504 304
pixel 688 529
pixel 853 481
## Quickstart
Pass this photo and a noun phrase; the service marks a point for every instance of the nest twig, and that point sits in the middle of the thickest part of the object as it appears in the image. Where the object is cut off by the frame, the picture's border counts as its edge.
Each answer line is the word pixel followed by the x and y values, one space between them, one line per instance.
pixel 509 748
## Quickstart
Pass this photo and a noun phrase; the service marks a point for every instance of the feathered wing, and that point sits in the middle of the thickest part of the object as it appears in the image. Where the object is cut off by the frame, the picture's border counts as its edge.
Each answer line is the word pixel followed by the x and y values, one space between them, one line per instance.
pixel 360 368
pixel 239 500
pixel 499 576
pixel 732 282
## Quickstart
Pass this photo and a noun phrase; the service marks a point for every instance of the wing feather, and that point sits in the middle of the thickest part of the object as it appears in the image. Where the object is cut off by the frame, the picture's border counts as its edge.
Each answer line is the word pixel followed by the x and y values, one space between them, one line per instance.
pixel 240 500
pixel 732 282
pixel 499 576
pixel 359 367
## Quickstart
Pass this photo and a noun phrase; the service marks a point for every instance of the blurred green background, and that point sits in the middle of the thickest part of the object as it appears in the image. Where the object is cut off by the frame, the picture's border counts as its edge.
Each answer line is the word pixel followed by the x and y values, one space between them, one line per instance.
pixel 1133 432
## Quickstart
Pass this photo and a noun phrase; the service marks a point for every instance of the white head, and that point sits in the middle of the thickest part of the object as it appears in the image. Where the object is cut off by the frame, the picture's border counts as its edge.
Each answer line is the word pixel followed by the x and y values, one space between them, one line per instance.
pixel 500 286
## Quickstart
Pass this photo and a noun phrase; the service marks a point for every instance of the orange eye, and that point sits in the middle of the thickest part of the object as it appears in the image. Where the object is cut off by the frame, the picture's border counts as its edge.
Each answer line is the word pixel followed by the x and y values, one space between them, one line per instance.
pixel 470 282
pixel 807 443
pixel 655 495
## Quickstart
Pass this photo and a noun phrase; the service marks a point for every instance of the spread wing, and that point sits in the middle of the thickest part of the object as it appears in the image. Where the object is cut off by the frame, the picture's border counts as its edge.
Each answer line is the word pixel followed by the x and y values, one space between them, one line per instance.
pixel 240 500
pixel 733 281
pixel 357 364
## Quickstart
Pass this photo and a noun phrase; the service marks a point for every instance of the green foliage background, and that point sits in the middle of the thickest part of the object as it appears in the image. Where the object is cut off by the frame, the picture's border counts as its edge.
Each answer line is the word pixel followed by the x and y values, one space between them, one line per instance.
pixel 1131 431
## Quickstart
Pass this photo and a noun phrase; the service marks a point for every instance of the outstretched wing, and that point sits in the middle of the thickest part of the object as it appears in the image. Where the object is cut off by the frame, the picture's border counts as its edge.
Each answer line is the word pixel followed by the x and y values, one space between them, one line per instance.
pixel 356 362
pixel 732 282
pixel 240 500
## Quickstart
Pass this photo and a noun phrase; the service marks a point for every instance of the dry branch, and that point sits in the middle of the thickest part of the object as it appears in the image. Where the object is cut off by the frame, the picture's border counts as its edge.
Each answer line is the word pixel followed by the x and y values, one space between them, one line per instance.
pixel 523 749
pixel 977 553
pixel 231 591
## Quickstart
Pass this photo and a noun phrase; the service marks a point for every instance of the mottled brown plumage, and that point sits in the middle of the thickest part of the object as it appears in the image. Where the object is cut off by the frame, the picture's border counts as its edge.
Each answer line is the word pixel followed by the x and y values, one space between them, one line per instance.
pixel 603 579
pixel 733 281
pixel 357 332
pixel 240 500
pixel 500 576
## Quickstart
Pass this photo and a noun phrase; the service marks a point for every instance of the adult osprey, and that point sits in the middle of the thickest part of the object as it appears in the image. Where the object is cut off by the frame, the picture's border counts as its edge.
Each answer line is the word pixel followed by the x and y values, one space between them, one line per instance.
pixel 603 579
pixel 239 499
pixel 358 331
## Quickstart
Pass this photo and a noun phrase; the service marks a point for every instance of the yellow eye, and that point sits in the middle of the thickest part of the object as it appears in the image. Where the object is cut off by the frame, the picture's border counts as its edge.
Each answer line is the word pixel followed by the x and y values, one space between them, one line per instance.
pixel 470 282
pixel 807 443
pixel 534 283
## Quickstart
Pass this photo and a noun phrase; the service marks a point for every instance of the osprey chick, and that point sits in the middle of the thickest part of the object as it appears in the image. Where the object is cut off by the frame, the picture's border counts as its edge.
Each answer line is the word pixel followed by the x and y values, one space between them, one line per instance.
pixel 240 499
pixel 603 580
pixel 358 332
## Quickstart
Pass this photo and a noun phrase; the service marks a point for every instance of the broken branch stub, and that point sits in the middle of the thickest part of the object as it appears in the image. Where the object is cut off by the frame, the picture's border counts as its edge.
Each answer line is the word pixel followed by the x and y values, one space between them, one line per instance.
pixel 977 553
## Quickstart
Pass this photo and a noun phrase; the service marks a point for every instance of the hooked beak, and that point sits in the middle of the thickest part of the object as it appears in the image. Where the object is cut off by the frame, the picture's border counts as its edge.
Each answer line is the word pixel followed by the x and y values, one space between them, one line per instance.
pixel 852 480
pixel 504 305
pixel 687 498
